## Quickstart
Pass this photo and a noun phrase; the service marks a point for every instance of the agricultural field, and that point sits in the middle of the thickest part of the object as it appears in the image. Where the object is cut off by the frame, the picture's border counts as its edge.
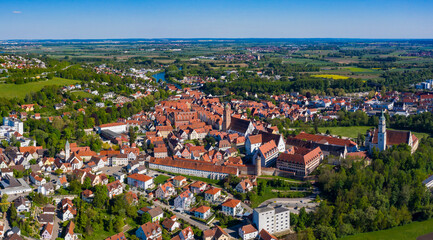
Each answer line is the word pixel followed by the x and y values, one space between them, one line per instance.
pixel 330 76
pixel 407 232
pixel 11 90
pixel 359 70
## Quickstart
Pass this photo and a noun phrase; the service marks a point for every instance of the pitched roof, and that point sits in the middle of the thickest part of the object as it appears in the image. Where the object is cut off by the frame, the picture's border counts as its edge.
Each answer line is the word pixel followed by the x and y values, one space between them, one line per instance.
pixel 248 229
pixel 215 232
pixel 231 203
pixel 254 139
pixel 181 163
pixel 119 236
pixel 149 227
pixel 140 177
pixel 265 235
pixel 202 209
pixel 301 156
pixel 213 191
pixel 325 139
pixel 239 125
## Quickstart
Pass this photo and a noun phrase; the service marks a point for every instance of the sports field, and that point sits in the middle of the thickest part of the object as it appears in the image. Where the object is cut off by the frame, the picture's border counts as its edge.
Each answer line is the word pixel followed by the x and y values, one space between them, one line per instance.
pixel 11 90
pixel 407 232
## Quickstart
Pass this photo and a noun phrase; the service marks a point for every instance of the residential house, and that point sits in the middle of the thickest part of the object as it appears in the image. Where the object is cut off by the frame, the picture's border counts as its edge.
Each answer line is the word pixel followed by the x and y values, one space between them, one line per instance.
pixel 47 231
pixel 165 191
pixel 149 231
pixel 70 235
pixel 155 213
pixel 232 207
pixel 114 188
pixel 265 235
pixel 212 194
pixel 216 233
pixel 179 181
pixel 119 236
pixel 22 204
pixel 202 212
pixel 140 181
pixel 184 200
pixel 170 224
pixel 244 186
pixel 198 187
pixel 248 232
pixel 187 234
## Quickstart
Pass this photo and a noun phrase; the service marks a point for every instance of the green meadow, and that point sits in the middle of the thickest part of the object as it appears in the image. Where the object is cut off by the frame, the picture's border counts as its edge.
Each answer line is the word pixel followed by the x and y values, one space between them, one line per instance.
pixel 10 90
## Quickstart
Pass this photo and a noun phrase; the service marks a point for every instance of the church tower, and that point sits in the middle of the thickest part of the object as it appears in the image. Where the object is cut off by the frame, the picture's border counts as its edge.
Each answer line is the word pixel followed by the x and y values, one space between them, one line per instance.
pixel 381 134
pixel 67 150
pixel 227 118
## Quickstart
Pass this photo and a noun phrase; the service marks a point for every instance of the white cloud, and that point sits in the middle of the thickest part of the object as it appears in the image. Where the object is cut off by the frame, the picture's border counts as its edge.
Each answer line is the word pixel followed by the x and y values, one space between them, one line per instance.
pixel 16 12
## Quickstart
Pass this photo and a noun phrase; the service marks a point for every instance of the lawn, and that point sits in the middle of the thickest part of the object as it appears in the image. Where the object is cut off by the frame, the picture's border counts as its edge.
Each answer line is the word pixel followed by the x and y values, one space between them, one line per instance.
pixel 351 132
pixel 407 232
pixel 331 76
pixel 160 179
pixel 10 90
pixel 82 94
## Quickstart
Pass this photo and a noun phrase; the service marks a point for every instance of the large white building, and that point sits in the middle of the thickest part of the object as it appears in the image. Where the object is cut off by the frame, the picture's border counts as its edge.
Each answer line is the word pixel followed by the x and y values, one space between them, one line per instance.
pixel 273 219
pixel 11 124
pixel 192 168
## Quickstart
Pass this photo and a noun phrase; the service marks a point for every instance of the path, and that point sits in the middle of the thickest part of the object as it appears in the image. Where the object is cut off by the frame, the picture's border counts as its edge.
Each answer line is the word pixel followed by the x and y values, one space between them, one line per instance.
pixel 183 216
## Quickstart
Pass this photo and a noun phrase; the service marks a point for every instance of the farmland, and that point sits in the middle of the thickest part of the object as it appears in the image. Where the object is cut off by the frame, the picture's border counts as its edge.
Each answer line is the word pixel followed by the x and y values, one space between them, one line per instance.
pixel 330 76
pixel 11 90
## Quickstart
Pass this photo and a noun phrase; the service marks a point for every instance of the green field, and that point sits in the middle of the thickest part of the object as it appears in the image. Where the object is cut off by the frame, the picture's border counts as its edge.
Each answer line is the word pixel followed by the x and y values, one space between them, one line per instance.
pixel 357 69
pixel 352 132
pixel 82 94
pixel 11 90
pixel 407 232
pixel 160 179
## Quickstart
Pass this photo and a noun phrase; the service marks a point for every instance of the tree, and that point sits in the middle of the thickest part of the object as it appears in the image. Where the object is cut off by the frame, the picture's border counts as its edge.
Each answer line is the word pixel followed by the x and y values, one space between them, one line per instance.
pixel 132 136
pixel 4 207
pixel 145 218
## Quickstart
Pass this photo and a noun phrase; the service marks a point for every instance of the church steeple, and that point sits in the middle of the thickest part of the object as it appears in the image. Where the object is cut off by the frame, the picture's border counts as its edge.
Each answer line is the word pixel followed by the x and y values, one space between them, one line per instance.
pixel 381 135
pixel 67 150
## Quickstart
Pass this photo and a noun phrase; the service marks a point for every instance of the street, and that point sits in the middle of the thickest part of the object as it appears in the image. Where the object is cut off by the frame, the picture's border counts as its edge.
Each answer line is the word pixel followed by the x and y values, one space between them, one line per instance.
pixel 183 216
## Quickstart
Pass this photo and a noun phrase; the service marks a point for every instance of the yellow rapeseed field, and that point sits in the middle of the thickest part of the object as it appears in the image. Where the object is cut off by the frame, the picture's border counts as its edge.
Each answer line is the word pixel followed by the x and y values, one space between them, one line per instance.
pixel 331 76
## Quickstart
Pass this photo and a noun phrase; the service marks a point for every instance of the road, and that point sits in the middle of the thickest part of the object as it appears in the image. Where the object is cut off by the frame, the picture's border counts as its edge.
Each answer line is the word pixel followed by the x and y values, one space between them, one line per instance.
pixel 183 216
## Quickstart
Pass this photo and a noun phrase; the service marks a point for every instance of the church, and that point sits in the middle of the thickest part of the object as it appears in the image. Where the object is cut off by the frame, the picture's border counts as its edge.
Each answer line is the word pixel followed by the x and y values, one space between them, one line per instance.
pixel 381 138
pixel 243 127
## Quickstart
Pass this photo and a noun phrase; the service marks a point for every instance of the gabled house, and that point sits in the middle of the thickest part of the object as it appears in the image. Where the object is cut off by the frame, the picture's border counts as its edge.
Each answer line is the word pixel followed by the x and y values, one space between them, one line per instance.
pixel 232 207
pixel 149 231
pixel 165 191
pixel 184 200
pixel 244 186
pixel 198 187
pixel 140 181
pixel 114 188
pixel 212 194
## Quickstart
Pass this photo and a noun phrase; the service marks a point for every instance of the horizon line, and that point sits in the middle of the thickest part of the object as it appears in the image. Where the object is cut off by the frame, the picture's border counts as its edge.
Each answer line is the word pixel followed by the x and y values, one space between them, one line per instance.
pixel 212 38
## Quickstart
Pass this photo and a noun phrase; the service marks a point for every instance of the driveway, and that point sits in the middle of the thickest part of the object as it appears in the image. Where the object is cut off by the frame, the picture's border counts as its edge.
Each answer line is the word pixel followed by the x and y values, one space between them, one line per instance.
pixel 183 216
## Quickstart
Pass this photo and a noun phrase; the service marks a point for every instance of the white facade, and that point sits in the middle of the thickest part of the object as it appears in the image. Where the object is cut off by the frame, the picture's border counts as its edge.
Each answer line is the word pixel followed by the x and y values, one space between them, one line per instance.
pixel 272 219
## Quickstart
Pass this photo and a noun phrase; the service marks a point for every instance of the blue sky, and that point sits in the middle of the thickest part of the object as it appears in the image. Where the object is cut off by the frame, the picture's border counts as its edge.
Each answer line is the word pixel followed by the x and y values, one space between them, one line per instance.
pixel 88 19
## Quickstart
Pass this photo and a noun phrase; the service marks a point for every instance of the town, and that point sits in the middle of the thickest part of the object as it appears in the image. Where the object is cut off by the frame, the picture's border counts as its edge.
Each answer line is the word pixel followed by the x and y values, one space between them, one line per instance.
pixel 157 152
